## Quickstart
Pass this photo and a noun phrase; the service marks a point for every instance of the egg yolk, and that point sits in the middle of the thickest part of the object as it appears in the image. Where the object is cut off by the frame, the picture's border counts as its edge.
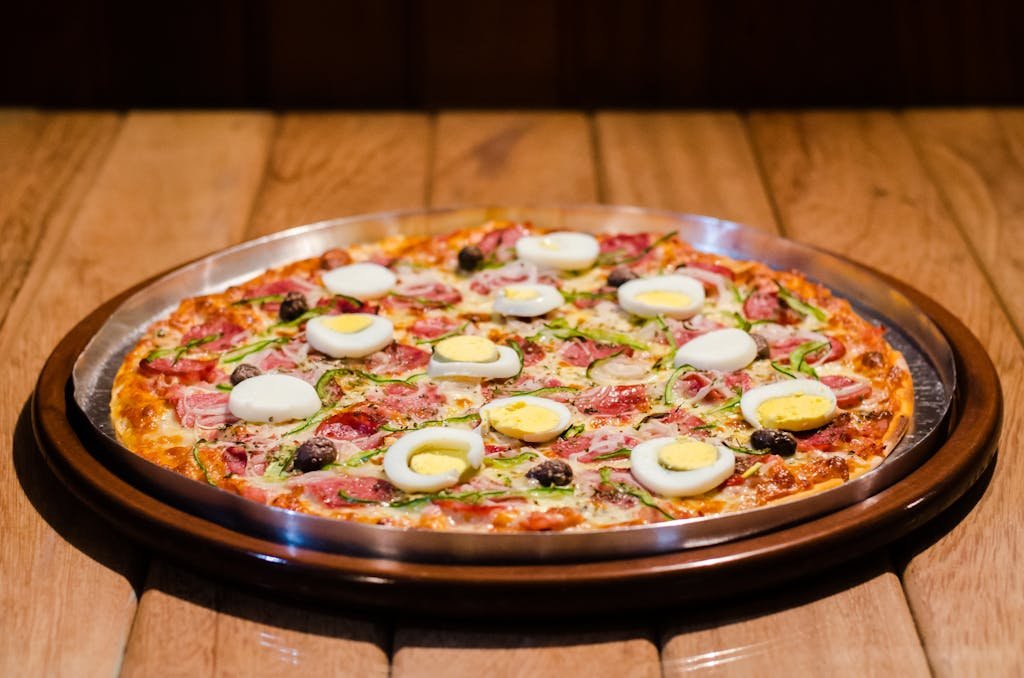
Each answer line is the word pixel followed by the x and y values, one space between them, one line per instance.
pixel 798 412
pixel 664 299
pixel 433 461
pixel 521 419
pixel 466 348
pixel 521 293
pixel 687 455
pixel 350 323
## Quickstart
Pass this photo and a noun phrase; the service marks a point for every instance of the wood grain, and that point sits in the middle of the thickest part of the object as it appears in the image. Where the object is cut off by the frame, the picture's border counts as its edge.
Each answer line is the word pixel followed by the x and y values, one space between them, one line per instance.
pixel 39 156
pixel 526 158
pixel 853 183
pixel 320 166
pixel 332 165
pixel 509 158
pixel 703 162
pixel 976 158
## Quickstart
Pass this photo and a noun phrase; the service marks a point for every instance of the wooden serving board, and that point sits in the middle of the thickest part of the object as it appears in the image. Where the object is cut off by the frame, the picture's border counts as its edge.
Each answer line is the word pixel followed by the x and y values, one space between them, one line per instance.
pixel 461 589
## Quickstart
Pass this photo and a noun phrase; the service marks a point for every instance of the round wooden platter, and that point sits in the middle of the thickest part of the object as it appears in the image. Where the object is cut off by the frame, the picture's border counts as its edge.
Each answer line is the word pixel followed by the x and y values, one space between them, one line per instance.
pixel 464 590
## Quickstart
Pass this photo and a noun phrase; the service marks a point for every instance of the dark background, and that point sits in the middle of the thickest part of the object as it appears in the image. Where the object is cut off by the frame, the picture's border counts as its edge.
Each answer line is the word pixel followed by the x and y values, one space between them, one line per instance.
pixel 520 53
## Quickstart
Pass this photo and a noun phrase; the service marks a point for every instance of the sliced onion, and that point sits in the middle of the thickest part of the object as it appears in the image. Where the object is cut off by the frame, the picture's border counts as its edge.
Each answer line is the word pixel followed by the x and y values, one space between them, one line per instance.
pixel 707 276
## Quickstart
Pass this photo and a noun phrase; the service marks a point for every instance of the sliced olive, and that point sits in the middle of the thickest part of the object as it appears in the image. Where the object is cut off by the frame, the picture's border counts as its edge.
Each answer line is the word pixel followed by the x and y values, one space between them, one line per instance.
pixel 243 372
pixel 763 350
pixel 774 440
pixel 552 472
pixel 314 454
pixel 470 258
pixel 293 306
pixel 620 276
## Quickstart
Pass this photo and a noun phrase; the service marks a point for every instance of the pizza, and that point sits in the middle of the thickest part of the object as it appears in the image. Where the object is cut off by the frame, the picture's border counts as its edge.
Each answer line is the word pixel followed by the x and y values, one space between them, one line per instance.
pixel 509 378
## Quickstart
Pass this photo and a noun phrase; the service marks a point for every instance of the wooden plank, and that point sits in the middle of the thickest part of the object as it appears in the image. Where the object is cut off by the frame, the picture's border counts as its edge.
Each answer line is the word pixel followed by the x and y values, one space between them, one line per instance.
pixel 321 166
pixel 976 158
pixel 534 652
pixel 67 570
pixel 327 165
pixel 852 183
pixel 509 158
pixel 703 162
pixel 524 158
pixel 40 155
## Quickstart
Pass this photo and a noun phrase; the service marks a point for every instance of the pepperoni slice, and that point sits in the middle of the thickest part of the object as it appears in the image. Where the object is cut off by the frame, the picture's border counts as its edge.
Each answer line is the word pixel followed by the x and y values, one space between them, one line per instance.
pixel 186 370
pixel 365 489
pixel 625 245
pixel 433 327
pixel 714 268
pixel 764 304
pixel 849 392
pixel 397 359
pixel 351 425
pixel 613 400
pixel 582 352
pixel 501 239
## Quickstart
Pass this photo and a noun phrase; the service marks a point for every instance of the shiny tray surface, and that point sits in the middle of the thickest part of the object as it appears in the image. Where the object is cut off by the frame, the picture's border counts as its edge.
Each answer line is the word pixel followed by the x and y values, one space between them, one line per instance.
pixel 909 330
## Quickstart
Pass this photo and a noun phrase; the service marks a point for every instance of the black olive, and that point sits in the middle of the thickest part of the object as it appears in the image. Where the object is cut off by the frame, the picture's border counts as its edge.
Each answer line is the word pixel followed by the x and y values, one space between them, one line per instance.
pixel 470 258
pixel 552 472
pixel 773 439
pixel 293 306
pixel 243 372
pixel 763 350
pixel 314 454
pixel 620 276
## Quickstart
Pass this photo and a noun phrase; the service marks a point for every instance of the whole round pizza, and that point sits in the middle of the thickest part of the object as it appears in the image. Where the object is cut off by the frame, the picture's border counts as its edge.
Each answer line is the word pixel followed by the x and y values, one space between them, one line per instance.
pixel 508 378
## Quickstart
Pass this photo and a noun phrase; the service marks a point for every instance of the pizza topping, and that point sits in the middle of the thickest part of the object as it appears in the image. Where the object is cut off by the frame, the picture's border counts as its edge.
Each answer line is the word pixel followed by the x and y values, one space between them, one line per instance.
pixel 620 276
pixel 773 440
pixel 680 467
pixel 243 372
pixel 334 258
pixel 185 369
pixel 849 392
pixel 526 300
pixel 213 336
pixel 470 258
pixel 498 245
pixel 562 250
pixel 293 306
pixel 433 327
pixel 724 350
pixel 613 400
pixel 202 408
pixel 472 356
pixel 528 418
pixel 350 335
pixel 797 405
pixel 583 352
pixel 273 398
pixel 314 454
pixel 763 350
pixel 872 360
pixel 553 472
pixel 673 296
pixel 764 304
pixel 362 281
pixel 712 281
pixel 432 459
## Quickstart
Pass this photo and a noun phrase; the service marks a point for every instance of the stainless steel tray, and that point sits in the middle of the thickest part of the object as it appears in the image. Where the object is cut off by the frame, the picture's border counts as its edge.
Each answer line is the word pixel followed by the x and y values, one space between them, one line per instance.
pixel 911 331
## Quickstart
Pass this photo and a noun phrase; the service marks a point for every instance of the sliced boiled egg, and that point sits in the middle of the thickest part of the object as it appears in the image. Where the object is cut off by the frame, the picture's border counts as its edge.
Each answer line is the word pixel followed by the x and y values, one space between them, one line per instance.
pixel 527 301
pixel 725 350
pixel 350 335
pixel 564 250
pixel 273 398
pixel 680 467
pixel 432 459
pixel 472 356
pixel 529 418
pixel 792 405
pixel 674 296
pixel 362 281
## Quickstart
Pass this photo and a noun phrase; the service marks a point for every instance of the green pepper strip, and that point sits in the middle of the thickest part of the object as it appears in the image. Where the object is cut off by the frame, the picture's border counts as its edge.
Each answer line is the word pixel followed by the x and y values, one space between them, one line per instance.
pixel 635 492
pixel 454 333
pixel 779 368
pixel 353 500
pixel 179 351
pixel 509 462
pixel 259 300
pixel 547 390
pixel 362 458
pixel 601 361
pixel 199 463
pixel 462 419
pixel 514 345
pixel 730 404
pixel 741 322
pixel 670 385
pixel 799 305
pixel 314 418
pixel 798 358
pixel 225 387
pixel 236 355
pixel 560 329
pixel 745 450
pixel 608 258
pixel 573 431
pixel 620 453
pixel 276 469
pixel 308 315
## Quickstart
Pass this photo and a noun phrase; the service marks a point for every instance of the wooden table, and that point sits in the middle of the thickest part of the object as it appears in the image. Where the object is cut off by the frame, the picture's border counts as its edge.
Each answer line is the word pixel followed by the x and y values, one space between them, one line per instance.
pixel 92 202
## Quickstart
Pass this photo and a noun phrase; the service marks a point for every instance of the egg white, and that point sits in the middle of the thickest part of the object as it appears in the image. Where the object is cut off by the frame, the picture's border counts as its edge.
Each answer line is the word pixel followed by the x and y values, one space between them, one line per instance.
pixel 724 350
pixel 649 472
pixel 559 410
pixel 507 365
pixel 548 299
pixel 755 397
pixel 396 459
pixel 378 334
pixel 363 280
pixel 564 250
pixel 273 398
pixel 628 292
